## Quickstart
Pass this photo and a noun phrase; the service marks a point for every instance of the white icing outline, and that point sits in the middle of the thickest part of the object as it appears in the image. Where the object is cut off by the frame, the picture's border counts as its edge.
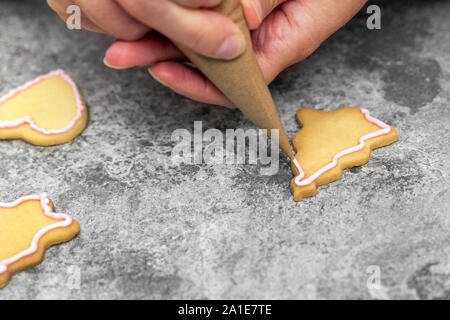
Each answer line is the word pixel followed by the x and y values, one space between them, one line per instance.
pixel 385 129
pixel 6 124
pixel 44 201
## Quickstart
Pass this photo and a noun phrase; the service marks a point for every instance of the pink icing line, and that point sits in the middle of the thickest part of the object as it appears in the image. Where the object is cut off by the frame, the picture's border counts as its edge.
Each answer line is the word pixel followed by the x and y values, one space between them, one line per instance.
pixel 43 198
pixel 385 129
pixel 27 119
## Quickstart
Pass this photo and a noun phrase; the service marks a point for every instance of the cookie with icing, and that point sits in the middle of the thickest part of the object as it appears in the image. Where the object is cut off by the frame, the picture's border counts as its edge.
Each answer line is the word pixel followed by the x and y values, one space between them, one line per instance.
pixel 331 141
pixel 46 111
pixel 28 226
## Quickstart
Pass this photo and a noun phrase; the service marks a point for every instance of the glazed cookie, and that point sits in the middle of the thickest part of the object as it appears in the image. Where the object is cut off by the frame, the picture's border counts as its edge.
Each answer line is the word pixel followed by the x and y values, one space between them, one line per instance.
pixel 46 111
pixel 330 142
pixel 28 226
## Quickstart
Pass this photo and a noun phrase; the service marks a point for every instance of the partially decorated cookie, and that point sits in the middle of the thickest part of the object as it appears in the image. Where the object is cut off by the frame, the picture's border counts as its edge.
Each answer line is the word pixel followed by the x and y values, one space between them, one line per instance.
pixel 28 226
pixel 46 111
pixel 331 141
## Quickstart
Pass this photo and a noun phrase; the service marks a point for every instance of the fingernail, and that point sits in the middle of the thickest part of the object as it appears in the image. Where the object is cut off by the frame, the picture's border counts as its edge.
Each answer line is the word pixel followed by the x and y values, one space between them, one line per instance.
pixel 156 78
pixel 109 65
pixel 232 47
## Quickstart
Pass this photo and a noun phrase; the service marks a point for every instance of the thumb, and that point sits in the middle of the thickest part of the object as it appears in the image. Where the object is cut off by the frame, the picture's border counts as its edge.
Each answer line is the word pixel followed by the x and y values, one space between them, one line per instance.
pixel 204 31
pixel 257 10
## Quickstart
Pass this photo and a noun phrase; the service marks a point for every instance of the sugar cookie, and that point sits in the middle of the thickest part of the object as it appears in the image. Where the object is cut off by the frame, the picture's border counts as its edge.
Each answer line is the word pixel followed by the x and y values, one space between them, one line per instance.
pixel 28 226
pixel 46 111
pixel 330 142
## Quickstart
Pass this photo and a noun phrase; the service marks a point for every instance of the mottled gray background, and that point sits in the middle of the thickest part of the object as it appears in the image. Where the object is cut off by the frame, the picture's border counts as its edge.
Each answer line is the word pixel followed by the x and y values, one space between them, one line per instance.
pixel 154 230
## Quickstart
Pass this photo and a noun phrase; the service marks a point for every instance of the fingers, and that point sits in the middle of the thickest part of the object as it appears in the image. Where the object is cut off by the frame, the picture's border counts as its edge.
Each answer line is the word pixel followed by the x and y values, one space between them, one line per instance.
pixel 204 31
pixel 298 27
pixel 198 3
pixel 117 22
pixel 207 32
pixel 143 52
pixel 60 7
pixel 188 82
pixel 177 76
pixel 256 11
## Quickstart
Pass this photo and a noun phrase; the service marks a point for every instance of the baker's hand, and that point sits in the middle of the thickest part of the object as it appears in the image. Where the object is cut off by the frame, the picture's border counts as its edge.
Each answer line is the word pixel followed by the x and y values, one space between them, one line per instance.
pixel 184 21
pixel 284 32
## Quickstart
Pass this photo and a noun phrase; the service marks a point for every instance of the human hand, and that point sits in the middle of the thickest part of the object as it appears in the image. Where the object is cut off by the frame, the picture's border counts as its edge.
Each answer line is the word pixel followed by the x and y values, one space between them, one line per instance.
pixel 184 21
pixel 284 33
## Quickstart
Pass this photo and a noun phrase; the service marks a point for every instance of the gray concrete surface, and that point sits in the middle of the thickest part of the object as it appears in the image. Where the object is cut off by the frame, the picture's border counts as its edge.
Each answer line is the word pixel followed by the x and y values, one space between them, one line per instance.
pixel 152 230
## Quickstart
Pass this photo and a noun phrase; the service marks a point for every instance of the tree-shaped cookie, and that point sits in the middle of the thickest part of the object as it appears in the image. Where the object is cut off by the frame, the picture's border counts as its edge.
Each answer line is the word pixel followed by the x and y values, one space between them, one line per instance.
pixel 46 111
pixel 28 226
pixel 332 141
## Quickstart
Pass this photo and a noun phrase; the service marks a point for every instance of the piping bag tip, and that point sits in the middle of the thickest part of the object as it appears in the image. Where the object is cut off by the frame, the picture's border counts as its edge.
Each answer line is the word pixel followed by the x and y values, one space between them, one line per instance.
pixel 290 154
pixel 285 145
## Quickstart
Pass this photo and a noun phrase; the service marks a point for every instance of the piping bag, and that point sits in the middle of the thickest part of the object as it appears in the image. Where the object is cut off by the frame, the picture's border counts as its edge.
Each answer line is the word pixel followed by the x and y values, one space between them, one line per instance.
pixel 241 79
